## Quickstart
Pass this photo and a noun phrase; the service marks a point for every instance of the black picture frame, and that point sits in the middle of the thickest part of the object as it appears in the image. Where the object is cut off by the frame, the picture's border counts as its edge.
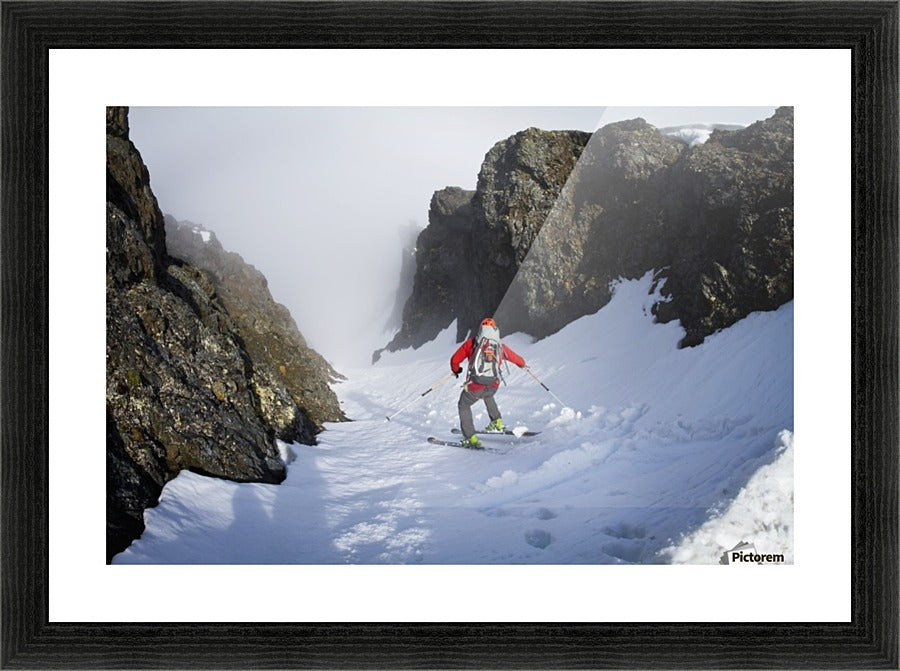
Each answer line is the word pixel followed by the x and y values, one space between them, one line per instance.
pixel 31 29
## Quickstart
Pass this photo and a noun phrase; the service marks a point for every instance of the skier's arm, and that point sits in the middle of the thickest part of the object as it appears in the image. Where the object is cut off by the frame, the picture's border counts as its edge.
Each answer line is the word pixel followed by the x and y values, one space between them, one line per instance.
pixel 463 353
pixel 509 355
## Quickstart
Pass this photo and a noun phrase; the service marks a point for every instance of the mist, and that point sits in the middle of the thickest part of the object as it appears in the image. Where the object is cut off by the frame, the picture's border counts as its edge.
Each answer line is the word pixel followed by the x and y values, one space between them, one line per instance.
pixel 320 200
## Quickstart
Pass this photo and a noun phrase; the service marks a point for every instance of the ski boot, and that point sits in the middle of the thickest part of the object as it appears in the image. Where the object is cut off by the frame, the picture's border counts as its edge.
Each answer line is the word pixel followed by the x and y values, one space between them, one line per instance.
pixel 496 426
pixel 472 443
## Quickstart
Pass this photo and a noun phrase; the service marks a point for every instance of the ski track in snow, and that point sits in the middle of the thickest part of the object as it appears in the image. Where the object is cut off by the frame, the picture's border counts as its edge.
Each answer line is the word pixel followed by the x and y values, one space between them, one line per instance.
pixel 658 445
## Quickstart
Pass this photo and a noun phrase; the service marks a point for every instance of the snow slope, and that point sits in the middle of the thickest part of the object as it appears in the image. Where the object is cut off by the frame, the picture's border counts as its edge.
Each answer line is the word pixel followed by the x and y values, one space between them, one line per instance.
pixel 662 455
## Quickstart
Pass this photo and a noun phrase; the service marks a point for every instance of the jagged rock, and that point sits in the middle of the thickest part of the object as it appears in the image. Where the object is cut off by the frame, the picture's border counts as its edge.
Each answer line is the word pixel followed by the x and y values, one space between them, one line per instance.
pixel 183 390
pixel 732 228
pixel 519 188
pixel 518 185
pixel 128 185
pixel 439 288
pixel 129 486
pixel 601 227
pixel 267 330
pixel 557 216
pixel 470 251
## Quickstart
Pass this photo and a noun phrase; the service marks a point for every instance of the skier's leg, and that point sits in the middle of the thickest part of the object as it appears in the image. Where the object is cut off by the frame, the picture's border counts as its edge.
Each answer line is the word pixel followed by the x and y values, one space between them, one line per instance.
pixel 466 423
pixel 491 404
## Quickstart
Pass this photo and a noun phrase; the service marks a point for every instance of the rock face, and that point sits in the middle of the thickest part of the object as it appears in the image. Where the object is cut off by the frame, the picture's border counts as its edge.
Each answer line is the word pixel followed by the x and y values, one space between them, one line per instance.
pixel 475 241
pixel 267 330
pixel 184 390
pixel 731 238
pixel 439 292
pixel 557 216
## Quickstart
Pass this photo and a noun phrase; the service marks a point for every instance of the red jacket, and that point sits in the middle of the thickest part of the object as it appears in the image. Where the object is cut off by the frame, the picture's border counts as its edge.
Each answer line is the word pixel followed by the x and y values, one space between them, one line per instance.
pixel 466 350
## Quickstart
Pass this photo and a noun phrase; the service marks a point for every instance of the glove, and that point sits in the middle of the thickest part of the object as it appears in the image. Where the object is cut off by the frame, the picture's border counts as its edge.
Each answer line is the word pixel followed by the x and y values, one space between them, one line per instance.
pixel 457 372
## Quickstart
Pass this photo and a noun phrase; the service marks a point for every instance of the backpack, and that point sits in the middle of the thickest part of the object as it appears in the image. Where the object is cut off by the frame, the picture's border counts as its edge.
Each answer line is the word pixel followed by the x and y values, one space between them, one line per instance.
pixel 484 363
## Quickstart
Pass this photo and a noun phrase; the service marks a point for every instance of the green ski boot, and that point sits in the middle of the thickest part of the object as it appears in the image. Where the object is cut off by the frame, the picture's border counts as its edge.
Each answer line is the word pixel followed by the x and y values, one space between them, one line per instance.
pixel 496 426
pixel 472 442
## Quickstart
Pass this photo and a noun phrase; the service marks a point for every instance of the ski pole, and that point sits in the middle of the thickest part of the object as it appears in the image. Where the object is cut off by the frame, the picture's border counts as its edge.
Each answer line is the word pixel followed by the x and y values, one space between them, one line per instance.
pixel 427 391
pixel 545 387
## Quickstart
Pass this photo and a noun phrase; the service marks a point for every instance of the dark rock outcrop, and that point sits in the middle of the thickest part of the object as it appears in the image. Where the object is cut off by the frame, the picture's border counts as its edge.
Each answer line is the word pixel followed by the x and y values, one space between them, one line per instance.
pixel 439 291
pixel 731 237
pixel 557 216
pixel 183 389
pixel 601 226
pixel 475 241
pixel 266 328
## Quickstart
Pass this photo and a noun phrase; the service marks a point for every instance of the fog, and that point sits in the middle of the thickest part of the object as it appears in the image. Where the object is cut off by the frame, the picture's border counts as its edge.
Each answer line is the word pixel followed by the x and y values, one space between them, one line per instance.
pixel 320 199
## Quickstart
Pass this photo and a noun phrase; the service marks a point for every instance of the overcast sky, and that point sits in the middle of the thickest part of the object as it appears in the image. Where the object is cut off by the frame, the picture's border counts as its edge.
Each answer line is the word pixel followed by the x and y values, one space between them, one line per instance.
pixel 315 198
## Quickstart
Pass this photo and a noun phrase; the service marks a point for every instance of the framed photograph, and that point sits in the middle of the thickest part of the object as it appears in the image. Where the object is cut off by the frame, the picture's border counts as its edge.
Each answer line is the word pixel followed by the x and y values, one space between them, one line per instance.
pixel 833 65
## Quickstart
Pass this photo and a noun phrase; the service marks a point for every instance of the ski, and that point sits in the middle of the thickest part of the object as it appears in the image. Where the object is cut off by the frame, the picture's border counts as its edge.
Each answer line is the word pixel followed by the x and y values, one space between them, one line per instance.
pixel 505 432
pixel 457 443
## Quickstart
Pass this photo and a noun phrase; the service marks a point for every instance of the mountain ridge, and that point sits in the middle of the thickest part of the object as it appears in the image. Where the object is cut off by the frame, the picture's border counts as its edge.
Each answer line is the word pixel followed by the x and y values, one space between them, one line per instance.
pixel 557 216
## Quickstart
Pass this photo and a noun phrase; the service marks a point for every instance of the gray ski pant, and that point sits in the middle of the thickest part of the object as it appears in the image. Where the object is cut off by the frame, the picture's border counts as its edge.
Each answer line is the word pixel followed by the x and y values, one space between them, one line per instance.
pixel 469 398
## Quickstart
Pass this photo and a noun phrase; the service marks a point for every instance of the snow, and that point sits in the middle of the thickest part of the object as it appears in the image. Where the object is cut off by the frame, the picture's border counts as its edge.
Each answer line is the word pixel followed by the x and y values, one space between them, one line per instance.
pixel 204 234
pixel 763 510
pixel 698 133
pixel 661 456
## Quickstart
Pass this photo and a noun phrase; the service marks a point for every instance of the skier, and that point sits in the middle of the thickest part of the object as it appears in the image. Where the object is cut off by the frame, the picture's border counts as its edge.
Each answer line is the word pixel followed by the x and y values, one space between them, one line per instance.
pixel 485 354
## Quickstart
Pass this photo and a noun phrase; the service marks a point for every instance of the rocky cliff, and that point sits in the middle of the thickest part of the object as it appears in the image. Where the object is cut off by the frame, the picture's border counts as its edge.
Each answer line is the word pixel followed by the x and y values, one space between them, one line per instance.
pixel 187 387
pixel 475 241
pixel 557 216
pixel 266 328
